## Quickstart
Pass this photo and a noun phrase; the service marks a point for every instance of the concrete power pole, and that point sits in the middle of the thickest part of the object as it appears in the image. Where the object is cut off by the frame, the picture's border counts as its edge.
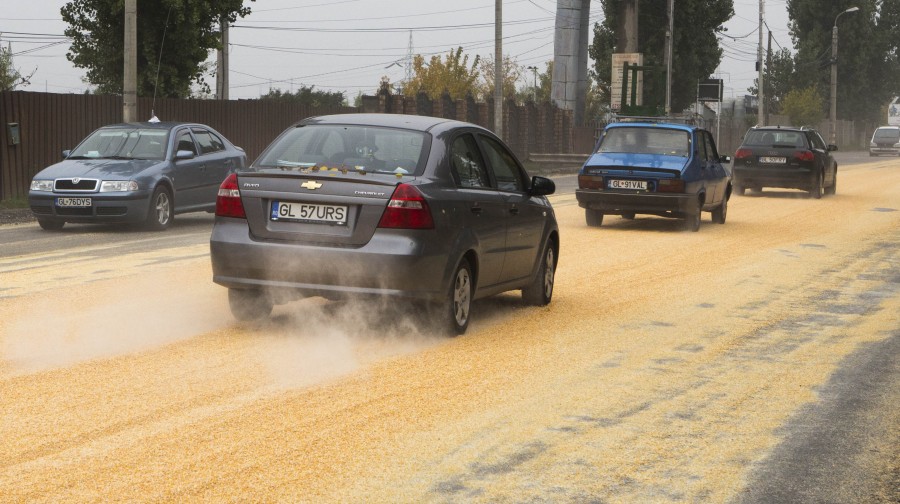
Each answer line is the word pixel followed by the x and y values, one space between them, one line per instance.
pixel 222 63
pixel 669 35
pixel 498 68
pixel 760 117
pixel 129 80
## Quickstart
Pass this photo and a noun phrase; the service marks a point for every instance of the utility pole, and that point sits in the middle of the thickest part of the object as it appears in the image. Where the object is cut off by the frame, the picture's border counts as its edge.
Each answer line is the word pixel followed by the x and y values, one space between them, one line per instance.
pixel 669 34
pixel 129 77
pixel 534 87
pixel 222 62
pixel 760 118
pixel 768 67
pixel 498 68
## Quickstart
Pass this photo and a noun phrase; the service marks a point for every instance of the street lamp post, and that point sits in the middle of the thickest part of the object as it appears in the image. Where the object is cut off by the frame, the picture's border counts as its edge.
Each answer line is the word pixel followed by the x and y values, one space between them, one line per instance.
pixel 834 45
pixel 534 88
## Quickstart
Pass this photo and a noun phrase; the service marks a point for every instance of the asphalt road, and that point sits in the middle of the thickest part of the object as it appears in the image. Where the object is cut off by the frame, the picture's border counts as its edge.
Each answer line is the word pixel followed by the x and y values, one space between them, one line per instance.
pixel 756 361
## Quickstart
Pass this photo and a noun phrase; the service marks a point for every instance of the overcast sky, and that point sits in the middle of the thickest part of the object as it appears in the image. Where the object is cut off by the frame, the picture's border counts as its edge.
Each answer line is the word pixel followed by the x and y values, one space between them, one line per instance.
pixel 348 45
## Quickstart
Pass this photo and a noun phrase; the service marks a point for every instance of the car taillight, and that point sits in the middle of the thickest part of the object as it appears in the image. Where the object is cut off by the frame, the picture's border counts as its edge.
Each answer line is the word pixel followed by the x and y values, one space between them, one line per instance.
pixel 804 155
pixel 228 200
pixel 670 185
pixel 407 209
pixel 590 182
pixel 742 153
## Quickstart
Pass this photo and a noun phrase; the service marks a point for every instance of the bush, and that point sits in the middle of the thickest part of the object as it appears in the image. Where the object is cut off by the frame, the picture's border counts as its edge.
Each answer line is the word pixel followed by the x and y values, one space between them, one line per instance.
pixel 804 106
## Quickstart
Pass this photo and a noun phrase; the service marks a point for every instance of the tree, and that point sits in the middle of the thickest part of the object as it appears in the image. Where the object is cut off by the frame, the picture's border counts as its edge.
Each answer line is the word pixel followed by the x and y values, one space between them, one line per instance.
pixel 451 75
pixel 780 79
pixel 10 77
pixel 867 59
pixel 306 95
pixel 174 38
pixel 511 73
pixel 696 51
pixel 804 106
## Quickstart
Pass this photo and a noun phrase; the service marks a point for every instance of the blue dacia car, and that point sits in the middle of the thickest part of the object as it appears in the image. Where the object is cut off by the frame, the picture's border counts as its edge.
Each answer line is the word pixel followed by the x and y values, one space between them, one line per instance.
pixel 655 168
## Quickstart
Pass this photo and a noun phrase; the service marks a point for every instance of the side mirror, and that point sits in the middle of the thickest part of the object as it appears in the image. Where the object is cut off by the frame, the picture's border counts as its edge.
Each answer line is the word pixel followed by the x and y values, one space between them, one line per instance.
pixel 66 153
pixel 184 154
pixel 831 147
pixel 542 186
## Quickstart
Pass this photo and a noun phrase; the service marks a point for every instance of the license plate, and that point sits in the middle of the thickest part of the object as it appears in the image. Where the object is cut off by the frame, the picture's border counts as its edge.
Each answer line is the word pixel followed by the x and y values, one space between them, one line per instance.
pixel 773 160
pixel 73 202
pixel 640 185
pixel 309 212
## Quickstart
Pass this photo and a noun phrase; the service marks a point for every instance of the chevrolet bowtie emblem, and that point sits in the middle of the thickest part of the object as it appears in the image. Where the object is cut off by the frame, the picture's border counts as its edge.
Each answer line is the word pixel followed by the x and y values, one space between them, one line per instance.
pixel 311 185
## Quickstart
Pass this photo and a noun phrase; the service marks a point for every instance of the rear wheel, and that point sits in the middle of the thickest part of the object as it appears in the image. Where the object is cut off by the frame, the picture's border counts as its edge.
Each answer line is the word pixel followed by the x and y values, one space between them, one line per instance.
pixel 739 190
pixel 454 315
pixel 692 221
pixel 540 291
pixel 249 304
pixel 161 211
pixel 51 225
pixel 817 187
pixel 830 190
pixel 720 212
pixel 629 216
pixel 594 218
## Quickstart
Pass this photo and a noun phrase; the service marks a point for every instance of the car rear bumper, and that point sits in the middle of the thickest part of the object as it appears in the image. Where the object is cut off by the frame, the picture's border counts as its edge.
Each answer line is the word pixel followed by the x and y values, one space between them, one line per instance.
pixel 105 208
pixel 794 178
pixel 611 202
pixel 390 264
pixel 884 151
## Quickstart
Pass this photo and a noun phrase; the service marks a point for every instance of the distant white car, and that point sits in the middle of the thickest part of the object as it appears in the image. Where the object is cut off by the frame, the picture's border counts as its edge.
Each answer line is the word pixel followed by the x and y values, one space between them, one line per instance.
pixel 885 141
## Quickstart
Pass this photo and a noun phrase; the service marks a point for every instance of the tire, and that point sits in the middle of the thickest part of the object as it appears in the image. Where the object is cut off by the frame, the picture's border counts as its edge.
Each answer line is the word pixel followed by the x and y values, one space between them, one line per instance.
pixel 721 212
pixel 832 189
pixel 249 304
pixel 817 187
pixel 455 317
pixel 739 190
pixel 692 221
pixel 628 216
pixel 161 211
pixel 51 225
pixel 540 292
pixel 594 218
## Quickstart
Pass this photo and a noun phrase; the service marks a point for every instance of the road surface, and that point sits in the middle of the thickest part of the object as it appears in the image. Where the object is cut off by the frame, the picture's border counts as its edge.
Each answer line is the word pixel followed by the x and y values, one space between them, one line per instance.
pixel 756 361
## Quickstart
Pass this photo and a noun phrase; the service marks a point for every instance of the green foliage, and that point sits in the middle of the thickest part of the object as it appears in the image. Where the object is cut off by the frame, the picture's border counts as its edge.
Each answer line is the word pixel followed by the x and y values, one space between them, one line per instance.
pixel 696 51
pixel 185 31
pixel 804 106
pixel 452 75
pixel 9 75
pixel 868 67
pixel 511 73
pixel 306 95
pixel 779 79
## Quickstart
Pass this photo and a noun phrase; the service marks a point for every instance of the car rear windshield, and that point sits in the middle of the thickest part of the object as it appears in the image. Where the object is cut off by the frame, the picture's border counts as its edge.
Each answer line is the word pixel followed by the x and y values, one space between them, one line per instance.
pixel 775 138
pixel 127 142
pixel 644 140
pixel 887 134
pixel 354 147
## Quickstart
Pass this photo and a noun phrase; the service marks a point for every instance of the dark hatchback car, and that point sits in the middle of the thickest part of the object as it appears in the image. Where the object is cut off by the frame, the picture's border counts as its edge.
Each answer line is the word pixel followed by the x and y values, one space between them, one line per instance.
pixel 429 211
pixel 135 173
pixel 655 168
pixel 785 157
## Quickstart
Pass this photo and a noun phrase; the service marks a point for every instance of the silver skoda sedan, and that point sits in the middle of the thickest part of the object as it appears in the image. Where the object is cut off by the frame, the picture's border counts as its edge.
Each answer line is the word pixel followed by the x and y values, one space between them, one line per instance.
pixel 433 211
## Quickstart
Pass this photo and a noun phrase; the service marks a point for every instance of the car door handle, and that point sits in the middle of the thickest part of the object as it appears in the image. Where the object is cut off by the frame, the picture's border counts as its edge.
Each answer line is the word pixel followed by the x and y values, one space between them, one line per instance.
pixel 476 209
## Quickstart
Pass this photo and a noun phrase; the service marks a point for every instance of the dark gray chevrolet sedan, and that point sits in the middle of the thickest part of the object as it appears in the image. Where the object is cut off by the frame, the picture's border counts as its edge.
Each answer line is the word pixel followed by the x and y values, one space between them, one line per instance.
pixel 434 211
pixel 135 173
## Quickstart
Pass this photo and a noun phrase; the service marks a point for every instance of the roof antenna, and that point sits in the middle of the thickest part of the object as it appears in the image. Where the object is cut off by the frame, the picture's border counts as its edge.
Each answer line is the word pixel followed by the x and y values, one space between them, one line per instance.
pixel 153 117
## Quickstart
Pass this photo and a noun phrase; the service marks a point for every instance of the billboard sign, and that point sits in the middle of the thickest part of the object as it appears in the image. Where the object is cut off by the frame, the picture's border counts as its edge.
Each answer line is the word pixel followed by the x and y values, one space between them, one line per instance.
pixel 894 112
pixel 615 91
